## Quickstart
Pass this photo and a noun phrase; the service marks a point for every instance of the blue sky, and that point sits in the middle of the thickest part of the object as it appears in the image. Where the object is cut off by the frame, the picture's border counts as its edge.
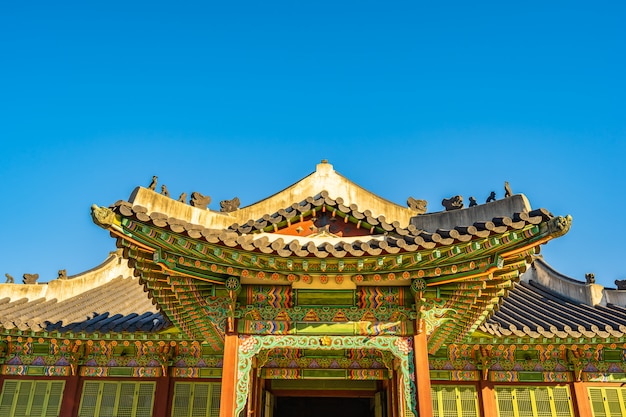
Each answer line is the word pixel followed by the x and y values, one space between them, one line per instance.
pixel 245 98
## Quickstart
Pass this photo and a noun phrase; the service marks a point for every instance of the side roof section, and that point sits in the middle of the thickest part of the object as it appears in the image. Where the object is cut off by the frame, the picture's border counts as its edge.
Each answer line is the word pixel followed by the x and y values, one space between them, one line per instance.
pixel 105 298
pixel 546 303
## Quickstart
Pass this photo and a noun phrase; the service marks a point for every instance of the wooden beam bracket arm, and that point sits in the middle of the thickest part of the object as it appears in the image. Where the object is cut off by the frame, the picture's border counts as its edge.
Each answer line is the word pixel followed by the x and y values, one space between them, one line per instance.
pixel 420 322
pixel 486 361
pixel 574 357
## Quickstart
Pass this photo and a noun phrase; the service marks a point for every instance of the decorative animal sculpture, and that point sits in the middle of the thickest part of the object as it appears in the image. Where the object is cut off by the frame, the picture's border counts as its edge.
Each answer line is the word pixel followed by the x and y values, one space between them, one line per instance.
pixel 62 274
pixel 30 278
pixel 417 205
pixel 10 279
pixel 226 206
pixel 153 183
pixel 182 198
pixel 507 189
pixel 199 200
pixel 164 191
pixel 452 203
pixel 492 197
pixel 472 202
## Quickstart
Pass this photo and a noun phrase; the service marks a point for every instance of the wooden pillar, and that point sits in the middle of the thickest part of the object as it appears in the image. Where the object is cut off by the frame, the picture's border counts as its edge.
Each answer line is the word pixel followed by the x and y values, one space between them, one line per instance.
pixel 401 404
pixel 258 405
pixel 253 393
pixel 422 372
pixel 162 401
pixel 393 388
pixel 388 397
pixel 488 404
pixel 228 397
pixel 71 397
pixel 582 405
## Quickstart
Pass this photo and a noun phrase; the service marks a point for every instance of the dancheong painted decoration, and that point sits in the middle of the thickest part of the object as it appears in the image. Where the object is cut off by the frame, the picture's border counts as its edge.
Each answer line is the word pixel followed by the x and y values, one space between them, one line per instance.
pixel 323 299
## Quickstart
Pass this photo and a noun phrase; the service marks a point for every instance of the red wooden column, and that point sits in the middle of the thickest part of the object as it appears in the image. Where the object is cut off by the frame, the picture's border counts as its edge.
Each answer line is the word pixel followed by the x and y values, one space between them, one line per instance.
pixel 162 397
pixel 489 406
pixel 581 399
pixel 228 397
pixel 71 397
pixel 388 396
pixel 422 371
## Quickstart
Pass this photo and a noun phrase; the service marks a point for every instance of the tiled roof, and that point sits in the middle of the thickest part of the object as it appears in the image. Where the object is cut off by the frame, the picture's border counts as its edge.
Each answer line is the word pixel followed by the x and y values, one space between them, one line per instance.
pixel 532 310
pixel 386 237
pixel 119 305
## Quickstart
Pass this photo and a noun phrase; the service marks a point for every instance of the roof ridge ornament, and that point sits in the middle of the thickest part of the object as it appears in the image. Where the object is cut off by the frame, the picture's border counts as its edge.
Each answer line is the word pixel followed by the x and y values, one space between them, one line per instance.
pixel 324 168
pixel 507 190
pixel 102 216
pixel 30 278
pixel 419 206
pixel 227 206
pixel 559 225
pixel 453 203
pixel 153 183
pixel 200 201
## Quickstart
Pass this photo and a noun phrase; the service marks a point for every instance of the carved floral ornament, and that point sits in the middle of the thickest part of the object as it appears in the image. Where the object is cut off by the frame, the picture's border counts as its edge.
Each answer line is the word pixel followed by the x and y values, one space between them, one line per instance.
pixel 252 346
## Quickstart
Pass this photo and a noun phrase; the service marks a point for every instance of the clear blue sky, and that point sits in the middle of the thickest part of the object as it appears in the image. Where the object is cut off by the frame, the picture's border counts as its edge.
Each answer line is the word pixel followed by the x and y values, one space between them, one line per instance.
pixel 244 98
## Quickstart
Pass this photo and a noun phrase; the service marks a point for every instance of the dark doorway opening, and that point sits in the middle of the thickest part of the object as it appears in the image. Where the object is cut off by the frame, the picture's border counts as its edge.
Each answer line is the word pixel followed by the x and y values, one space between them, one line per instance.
pixel 323 407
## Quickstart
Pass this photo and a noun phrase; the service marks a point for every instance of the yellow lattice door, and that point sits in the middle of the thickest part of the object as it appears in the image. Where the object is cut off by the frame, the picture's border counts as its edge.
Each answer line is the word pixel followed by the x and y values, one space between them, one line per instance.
pixel 117 399
pixel 31 398
pixel 608 402
pixel 196 399
pixel 539 401
pixel 454 401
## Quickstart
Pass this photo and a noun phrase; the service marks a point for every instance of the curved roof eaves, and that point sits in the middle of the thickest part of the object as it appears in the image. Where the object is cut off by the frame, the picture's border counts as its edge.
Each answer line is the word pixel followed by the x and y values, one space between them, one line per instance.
pixel 391 238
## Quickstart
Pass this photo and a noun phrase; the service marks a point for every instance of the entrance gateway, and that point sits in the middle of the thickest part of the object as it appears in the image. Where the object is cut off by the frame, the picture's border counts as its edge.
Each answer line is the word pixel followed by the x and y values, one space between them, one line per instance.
pixel 377 392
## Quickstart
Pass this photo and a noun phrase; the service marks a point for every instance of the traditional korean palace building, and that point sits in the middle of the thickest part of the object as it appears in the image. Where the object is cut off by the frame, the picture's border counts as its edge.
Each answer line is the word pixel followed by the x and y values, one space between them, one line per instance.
pixel 323 299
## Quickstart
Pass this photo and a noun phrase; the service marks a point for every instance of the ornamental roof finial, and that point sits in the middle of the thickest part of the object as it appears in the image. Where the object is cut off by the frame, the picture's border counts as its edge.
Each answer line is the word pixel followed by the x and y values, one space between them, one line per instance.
pixel 324 167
